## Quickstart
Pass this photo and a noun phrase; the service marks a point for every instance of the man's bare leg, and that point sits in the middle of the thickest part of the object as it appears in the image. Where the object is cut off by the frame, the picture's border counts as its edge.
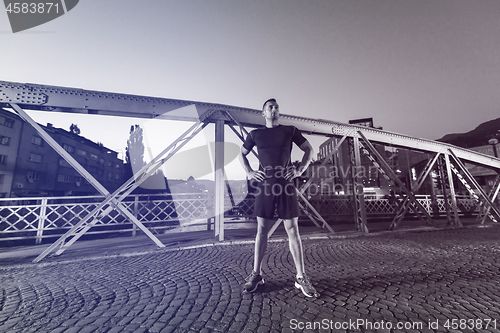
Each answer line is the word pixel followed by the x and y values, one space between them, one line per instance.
pixel 263 226
pixel 255 279
pixel 295 244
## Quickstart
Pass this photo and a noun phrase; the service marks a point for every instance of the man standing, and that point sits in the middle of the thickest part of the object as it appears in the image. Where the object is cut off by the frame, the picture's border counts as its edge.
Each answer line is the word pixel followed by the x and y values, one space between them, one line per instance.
pixel 275 190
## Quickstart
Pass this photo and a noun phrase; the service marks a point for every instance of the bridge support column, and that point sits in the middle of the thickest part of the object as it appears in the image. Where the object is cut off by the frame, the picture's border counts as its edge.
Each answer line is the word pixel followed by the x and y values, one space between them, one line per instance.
pixel 358 188
pixel 454 220
pixel 219 179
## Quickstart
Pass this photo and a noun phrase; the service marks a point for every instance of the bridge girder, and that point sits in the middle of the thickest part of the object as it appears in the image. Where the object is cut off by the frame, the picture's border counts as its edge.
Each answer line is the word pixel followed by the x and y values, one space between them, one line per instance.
pixel 72 100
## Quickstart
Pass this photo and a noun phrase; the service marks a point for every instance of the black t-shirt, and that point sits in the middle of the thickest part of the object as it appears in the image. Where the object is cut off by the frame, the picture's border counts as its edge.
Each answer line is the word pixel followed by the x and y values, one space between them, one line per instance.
pixel 274 145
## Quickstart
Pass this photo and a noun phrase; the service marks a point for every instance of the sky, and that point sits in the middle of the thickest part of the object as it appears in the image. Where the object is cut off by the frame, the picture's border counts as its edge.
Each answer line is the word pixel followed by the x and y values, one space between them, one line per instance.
pixel 423 68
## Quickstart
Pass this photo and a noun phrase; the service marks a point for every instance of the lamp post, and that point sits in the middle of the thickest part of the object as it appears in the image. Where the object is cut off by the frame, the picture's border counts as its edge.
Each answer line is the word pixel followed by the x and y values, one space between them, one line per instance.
pixel 494 142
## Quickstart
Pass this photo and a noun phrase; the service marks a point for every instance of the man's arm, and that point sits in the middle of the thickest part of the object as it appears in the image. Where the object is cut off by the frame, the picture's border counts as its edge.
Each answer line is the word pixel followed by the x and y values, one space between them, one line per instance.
pixel 306 159
pixel 251 174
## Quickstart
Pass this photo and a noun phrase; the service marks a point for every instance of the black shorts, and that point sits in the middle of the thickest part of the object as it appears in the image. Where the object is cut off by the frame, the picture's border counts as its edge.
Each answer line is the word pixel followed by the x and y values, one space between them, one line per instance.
pixel 276 195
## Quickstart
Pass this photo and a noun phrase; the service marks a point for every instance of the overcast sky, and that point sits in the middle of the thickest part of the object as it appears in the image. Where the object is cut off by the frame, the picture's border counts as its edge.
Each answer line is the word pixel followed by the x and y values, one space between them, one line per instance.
pixel 423 68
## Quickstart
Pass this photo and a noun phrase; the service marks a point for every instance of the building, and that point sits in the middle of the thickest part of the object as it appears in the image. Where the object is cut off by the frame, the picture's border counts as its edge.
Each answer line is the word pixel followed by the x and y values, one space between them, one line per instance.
pixel 335 177
pixel 10 137
pixel 29 167
pixel 484 176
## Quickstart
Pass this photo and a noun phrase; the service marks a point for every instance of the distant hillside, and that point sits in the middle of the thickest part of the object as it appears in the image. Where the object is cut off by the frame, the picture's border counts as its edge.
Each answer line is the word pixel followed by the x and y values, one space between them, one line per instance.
pixel 477 137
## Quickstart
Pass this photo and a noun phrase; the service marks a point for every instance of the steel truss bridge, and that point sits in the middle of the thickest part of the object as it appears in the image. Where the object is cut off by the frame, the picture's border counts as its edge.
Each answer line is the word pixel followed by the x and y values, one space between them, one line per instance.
pixel 447 159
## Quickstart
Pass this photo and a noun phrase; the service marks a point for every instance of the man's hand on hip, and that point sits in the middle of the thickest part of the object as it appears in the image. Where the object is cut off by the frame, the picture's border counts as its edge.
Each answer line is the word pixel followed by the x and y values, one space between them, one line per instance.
pixel 258 175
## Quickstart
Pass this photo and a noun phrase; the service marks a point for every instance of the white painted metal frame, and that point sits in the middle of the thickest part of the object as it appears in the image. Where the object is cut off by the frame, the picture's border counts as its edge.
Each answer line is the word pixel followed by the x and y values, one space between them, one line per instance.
pixel 62 99
pixel 64 154
pixel 484 210
pixel 357 191
pixel 219 179
pixel 405 204
pixel 473 187
pixel 112 201
pixel 418 208
pixel 455 218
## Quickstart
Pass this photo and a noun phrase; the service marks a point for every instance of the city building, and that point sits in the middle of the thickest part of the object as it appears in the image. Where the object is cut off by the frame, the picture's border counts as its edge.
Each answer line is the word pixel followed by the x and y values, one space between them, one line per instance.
pixel 336 176
pixel 10 137
pixel 29 167
pixel 484 176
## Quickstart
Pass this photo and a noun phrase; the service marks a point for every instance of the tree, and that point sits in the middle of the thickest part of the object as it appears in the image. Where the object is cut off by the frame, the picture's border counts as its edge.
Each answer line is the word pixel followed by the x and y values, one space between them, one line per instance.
pixel 135 146
pixel 135 158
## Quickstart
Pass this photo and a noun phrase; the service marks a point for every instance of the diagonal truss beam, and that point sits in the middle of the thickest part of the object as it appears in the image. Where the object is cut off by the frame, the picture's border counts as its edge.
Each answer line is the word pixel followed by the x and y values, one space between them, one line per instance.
pixel 242 132
pixel 468 180
pixel 316 215
pixel 84 173
pixel 115 200
pixel 79 229
pixel 358 190
pixel 392 176
pixel 426 171
pixel 304 187
pixel 473 194
pixel 405 204
pixel 451 185
pixel 485 210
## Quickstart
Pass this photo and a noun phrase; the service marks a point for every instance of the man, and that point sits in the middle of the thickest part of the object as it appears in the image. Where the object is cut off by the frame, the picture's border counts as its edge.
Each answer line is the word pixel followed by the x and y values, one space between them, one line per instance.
pixel 275 190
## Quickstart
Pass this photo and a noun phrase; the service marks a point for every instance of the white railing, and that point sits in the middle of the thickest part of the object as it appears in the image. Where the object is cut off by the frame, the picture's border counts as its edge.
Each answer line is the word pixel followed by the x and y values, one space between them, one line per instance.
pixel 343 205
pixel 38 218
pixel 28 218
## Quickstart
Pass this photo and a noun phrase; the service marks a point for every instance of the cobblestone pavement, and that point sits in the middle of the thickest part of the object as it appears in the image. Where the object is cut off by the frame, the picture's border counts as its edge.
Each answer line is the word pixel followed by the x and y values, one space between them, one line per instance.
pixel 420 279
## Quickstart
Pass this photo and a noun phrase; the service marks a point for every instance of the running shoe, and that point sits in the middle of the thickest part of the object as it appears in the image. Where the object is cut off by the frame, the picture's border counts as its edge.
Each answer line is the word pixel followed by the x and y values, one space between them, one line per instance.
pixel 253 281
pixel 306 287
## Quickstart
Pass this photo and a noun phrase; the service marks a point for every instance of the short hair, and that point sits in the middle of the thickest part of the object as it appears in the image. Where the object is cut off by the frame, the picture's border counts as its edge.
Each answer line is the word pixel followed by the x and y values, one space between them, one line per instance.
pixel 269 100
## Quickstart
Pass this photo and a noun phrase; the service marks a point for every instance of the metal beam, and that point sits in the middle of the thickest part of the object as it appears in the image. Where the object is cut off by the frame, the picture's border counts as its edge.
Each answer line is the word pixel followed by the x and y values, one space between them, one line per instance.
pixel 469 180
pixel 219 179
pixel 84 173
pixel 358 188
pixel 484 209
pixel 393 177
pixel 325 161
pixel 317 215
pixel 454 207
pixel 62 99
pixel 274 227
pixel 114 200
pixel 443 176
pixel 405 205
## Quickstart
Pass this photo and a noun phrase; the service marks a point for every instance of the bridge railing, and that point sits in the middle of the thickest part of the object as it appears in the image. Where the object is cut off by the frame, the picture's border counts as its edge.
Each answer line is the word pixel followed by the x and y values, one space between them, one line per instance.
pixel 375 207
pixel 44 217
pixel 39 218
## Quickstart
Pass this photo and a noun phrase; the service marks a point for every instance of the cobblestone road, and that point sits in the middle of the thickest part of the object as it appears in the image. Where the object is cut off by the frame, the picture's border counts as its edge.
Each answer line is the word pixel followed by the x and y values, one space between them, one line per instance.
pixel 410 278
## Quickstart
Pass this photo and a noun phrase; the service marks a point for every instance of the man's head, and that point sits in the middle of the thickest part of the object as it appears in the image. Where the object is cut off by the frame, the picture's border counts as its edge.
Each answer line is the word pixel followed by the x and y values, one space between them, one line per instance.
pixel 270 109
